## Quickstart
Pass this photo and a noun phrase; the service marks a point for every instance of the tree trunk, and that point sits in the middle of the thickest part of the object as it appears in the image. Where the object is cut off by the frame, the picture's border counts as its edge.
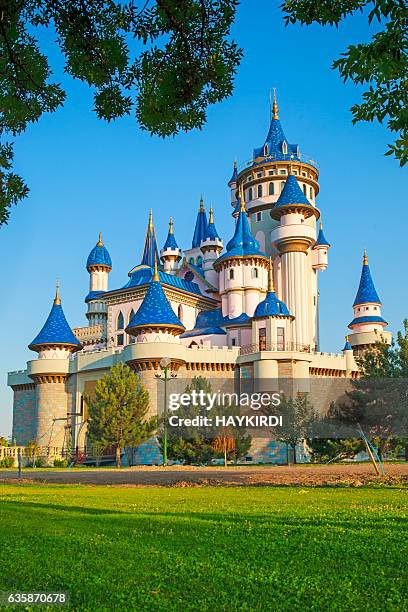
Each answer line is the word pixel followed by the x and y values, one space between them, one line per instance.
pixel 294 453
pixel 225 451
pixel 118 456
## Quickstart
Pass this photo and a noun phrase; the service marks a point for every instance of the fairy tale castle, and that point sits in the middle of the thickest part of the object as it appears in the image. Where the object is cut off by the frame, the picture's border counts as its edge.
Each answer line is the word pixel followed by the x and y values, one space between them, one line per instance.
pixel 246 308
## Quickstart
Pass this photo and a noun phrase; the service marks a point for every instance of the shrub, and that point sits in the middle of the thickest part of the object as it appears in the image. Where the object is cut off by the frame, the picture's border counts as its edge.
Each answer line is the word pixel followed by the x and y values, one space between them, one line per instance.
pixel 39 462
pixel 60 463
pixel 7 462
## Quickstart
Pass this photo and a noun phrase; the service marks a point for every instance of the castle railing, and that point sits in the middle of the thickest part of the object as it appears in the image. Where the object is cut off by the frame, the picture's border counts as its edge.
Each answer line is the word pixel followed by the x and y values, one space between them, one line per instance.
pixel 273 157
pixel 275 347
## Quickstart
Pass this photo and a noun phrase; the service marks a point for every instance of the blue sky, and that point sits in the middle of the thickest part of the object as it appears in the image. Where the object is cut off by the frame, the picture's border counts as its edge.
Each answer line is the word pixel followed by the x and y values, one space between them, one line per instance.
pixel 85 175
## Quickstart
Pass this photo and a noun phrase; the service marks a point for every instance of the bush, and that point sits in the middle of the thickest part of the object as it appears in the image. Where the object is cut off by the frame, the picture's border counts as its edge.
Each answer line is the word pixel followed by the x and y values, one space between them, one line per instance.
pixel 60 463
pixel 39 462
pixel 7 462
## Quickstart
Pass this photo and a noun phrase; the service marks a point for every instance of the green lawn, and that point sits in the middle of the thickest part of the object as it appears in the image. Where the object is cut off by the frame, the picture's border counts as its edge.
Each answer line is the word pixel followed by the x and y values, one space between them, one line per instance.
pixel 207 548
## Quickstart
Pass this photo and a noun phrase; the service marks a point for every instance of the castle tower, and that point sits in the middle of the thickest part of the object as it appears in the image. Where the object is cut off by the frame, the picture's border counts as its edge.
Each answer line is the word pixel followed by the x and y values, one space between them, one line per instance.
pixel 233 184
pixel 194 255
pixel 367 325
pixel 320 251
pixel 293 238
pixel 98 264
pixel 242 271
pixel 170 253
pixel 211 247
pixel 54 344
pixel 263 178
pixel 155 320
pixel 150 250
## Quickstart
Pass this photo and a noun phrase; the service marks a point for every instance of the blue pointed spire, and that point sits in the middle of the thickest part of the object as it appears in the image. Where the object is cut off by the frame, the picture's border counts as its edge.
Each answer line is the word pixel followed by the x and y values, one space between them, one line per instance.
pixel 150 251
pixel 347 346
pixel 200 226
pixel 56 331
pixel 99 256
pixel 242 243
pixel 276 143
pixel 291 193
pixel 234 176
pixel 155 310
pixel 170 240
pixel 271 306
pixel 211 232
pixel 366 292
pixel 321 239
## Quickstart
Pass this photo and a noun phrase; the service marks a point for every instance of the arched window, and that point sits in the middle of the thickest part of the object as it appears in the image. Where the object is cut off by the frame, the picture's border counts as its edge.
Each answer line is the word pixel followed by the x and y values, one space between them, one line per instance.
pixel 254 272
pixel 304 188
pixel 259 191
pixel 311 193
pixel 266 149
pixel 199 261
pixel 250 194
pixel 131 315
pixel 191 260
pixel 231 274
pixel 284 147
pixel 271 189
pixel 180 313
pixel 120 323
pixel 282 185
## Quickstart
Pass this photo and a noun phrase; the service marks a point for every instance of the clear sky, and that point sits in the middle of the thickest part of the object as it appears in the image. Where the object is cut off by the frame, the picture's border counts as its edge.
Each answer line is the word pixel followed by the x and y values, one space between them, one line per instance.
pixel 85 175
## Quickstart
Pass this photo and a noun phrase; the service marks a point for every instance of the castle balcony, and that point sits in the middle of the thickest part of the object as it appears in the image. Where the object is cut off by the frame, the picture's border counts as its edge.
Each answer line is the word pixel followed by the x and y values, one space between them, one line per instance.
pixel 275 347
pixel 279 157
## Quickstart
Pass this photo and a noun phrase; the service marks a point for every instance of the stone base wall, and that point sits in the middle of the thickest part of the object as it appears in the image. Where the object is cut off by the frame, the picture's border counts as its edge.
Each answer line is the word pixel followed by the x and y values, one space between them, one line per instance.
pixel 53 401
pixel 24 405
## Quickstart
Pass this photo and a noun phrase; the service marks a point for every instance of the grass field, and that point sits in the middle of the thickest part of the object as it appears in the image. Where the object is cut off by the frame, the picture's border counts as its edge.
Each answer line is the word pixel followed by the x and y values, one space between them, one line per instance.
pixel 116 548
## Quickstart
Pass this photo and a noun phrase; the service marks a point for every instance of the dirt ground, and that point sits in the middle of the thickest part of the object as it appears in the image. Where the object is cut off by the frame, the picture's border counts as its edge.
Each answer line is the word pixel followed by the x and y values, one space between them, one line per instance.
pixel 300 475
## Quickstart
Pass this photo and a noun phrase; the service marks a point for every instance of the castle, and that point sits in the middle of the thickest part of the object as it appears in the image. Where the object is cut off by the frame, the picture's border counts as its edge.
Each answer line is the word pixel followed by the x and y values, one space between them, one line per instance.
pixel 247 311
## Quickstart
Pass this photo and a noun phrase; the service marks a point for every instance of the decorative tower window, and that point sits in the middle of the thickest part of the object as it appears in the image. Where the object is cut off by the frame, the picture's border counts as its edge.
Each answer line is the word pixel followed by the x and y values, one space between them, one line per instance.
pixel 271 172
pixel 259 216
pixel 284 147
pixel 231 274
pixel 191 260
pixel 120 323
pixel 280 338
pixel 311 192
pixel 262 338
pixel 266 149
pixel 180 313
pixel 254 273
pixel 199 261
pixel 282 171
pixel 271 189
pixel 259 191
pixel 250 193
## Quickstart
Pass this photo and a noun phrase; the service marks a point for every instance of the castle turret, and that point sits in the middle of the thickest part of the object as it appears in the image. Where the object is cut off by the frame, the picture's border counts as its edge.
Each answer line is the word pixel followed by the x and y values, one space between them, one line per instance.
pixel 155 319
pixel 242 271
pixel 320 251
pixel 170 253
pixel 233 184
pixel 211 247
pixel 194 255
pixel 293 238
pixel 367 325
pixel 50 371
pixel 271 328
pixel 98 264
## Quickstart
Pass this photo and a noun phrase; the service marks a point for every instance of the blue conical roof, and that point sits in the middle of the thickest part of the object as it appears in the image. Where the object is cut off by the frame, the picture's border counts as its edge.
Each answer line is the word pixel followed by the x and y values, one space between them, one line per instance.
pixel 276 143
pixel 234 176
pixel 347 346
pixel 366 292
pixel 211 231
pixel 170 240
pixel 150 251
pixel 155 310
pixel 55 331
pixel 271 306
pixel 99 256
pixel 200 226
pixel 321 239
pixel 291 193
pixel 242 243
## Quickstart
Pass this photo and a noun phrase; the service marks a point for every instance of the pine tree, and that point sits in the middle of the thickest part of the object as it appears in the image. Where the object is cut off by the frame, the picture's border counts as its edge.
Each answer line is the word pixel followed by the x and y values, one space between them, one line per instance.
pixel 118 411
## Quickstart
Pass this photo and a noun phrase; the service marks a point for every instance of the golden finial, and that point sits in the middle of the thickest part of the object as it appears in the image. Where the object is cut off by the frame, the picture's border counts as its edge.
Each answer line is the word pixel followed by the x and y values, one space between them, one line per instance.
pixel 241 193
pixel 57 299
pixel 235 164
pixel 202 209
pixel 270 276
pixel 156 272
pixel 321 225
pixel 211 217
pixel 100 241
pixel 171 225
pixel 275 109
pixel 365 258
pixel 151 219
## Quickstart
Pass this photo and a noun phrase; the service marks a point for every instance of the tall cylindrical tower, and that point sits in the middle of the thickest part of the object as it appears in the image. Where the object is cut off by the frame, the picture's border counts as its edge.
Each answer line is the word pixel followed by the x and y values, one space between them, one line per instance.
pixel 292 238
pixel 211 247
pixel 98 264
pixel 170 253
pixel 54 344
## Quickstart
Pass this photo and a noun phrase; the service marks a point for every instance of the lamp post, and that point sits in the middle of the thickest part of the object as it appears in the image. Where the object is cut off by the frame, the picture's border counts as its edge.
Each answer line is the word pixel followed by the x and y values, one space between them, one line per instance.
pixel 164 364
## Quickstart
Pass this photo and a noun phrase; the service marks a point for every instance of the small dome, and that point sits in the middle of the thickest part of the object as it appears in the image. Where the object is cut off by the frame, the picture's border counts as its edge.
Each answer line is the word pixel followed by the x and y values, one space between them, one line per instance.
pixel 99 256
pixel 271 307
pixel 211 231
